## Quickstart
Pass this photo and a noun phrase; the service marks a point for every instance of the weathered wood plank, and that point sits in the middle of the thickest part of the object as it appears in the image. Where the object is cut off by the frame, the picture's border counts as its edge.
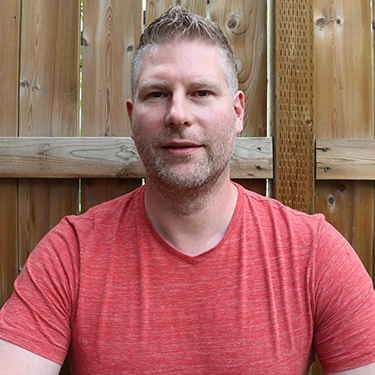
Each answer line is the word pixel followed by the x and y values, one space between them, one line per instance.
pixel 109 157
pixel 9 56
pixel 110 34
pixel 343 92
pixel 117 157
pixel 154 8
pixel 343 104
pixel 294 105
pixel 244 24
pixel 342 58
pixel 8 238
pixel 49 96
pixel 345 159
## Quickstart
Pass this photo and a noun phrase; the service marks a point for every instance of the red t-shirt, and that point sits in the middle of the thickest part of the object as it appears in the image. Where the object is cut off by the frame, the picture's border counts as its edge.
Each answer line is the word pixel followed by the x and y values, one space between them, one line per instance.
pixel 279 285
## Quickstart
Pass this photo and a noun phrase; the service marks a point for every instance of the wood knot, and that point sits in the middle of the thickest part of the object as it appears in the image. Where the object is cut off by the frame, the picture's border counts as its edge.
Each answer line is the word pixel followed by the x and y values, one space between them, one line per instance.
pixel 232 23
pixel 84 42
pixel 130 48
pixel 339 22
pixel 24 84
pixel 308 121
pixel 321 22
pixel 342 188
pixel 331 200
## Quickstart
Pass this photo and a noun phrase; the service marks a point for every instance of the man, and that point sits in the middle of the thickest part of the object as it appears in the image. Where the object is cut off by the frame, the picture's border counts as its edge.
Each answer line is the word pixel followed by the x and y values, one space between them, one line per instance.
pixel 189 274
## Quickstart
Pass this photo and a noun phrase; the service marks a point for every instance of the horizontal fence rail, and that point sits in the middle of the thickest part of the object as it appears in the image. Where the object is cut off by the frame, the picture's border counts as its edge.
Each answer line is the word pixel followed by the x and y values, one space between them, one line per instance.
pixel 117 157
pixel 109 157
pixel 345 159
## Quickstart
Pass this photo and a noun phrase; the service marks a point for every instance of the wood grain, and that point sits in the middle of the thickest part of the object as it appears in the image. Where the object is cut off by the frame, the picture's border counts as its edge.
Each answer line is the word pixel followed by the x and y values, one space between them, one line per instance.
pixel 49 96
pixel 345 159
pixel 8 238
pixel 244 25
pixel 112 157
pixel 117 157
pixel 111 31
pixel 343 99
pixel 344 110
pixel 343 89
pixel 154 8
pixel 9 56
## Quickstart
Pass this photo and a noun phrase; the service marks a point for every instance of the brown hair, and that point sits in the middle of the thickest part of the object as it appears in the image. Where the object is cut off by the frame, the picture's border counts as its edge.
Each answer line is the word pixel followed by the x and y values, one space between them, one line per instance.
pixel 179 23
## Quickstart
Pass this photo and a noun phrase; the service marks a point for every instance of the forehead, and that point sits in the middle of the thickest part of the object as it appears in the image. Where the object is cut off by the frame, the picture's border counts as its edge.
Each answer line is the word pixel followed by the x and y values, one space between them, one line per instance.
pixel 182 60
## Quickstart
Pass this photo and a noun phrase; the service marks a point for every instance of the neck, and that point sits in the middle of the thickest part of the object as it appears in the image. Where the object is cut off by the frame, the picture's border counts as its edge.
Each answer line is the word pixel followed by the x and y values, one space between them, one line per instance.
pixel 191 220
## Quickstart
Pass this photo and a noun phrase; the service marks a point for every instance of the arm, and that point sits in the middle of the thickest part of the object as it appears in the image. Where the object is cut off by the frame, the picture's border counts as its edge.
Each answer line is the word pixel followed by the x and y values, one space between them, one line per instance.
pixel 363 370
pixel 15 360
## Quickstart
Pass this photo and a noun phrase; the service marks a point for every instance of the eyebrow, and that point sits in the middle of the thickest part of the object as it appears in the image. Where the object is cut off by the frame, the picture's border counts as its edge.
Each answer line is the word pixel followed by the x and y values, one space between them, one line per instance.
pixel 201 84
pixel 154 85
pixel 196 85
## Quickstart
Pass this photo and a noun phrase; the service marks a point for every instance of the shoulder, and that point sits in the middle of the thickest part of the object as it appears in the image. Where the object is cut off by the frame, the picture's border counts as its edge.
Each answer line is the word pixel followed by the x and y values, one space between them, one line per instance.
pixel 273 214
pixel 113 207
pixel 107 214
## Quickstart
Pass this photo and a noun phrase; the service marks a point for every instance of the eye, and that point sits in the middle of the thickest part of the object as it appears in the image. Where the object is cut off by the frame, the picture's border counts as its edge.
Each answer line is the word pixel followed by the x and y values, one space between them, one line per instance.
pixel 203 93
pixel 156 95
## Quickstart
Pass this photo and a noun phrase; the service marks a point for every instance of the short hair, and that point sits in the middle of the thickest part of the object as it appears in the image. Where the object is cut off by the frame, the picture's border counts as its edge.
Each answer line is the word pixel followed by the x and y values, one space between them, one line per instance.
pixel 178 23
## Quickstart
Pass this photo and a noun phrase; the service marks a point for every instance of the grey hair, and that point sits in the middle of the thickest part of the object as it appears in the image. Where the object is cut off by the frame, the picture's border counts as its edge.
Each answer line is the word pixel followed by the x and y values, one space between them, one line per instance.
pixel 178 23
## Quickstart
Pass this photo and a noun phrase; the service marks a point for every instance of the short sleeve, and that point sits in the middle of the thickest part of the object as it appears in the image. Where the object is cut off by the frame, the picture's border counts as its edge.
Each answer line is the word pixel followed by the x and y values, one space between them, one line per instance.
pixel 38 314
pixel 344 329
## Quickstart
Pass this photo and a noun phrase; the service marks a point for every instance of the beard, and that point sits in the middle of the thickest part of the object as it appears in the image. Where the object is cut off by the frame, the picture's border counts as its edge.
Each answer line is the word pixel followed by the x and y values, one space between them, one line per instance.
pixel 186 172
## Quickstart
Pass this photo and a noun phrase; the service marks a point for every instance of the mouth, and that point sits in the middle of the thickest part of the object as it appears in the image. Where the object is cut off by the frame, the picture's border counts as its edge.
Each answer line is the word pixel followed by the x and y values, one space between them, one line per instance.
pixel 181 148
pixel 180 145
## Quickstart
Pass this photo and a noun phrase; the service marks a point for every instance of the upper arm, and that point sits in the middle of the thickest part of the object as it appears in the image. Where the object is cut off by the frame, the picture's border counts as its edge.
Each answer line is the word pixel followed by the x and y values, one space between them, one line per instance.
pixel 15 360
pixel 363 370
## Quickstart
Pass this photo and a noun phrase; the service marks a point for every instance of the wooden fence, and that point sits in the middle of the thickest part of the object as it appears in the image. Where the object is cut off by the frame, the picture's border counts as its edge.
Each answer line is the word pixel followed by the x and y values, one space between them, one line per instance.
pixel 311 58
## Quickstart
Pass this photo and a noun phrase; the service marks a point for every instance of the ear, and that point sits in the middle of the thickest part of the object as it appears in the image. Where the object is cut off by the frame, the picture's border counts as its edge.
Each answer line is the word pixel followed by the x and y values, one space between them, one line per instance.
pixel 129 108
pixel 239 110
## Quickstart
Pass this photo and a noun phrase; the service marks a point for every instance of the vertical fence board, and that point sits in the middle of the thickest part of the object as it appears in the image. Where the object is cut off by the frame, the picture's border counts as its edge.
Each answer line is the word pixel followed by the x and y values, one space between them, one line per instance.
pixel 9 47
pixel 343 97
pixel 154 8
pixel 49 95
pixel 111 33
pixel 8 237
pixel 294 105
pixel 245 26
pixel 343 91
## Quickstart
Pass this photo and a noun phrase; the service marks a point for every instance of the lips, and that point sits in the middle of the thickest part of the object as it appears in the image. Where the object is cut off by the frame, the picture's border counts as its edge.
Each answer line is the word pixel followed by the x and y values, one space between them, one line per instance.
pixel 181 148
pixel 180 145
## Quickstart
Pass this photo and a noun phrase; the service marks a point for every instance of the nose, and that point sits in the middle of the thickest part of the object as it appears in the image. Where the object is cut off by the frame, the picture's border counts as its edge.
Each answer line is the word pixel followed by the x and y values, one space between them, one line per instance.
pixel 178 112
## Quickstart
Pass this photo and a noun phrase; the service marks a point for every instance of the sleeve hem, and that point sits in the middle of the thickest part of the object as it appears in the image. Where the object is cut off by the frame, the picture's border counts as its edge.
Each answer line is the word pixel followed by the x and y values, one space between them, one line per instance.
pixel 35 346
pixel 354 363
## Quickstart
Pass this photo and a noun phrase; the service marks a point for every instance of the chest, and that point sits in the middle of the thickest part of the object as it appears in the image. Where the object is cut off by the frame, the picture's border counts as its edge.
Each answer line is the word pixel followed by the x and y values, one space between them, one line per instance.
pixel 156 318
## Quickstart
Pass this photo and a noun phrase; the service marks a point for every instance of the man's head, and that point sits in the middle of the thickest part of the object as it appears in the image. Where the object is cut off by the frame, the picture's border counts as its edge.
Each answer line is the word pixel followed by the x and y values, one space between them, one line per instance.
pixel 178 24
pixel 186 109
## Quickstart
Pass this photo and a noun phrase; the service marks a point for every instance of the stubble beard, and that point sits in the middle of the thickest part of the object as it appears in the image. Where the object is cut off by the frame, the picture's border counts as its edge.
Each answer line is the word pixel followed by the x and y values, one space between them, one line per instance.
pixel 186 172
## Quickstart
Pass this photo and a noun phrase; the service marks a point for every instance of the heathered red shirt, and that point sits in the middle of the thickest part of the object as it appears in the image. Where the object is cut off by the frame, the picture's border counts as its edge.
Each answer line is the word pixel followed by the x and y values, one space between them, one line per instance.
pixel 279 285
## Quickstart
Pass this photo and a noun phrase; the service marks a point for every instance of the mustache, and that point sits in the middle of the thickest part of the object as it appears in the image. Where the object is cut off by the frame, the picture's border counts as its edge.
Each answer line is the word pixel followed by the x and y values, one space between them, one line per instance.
pixel 172 135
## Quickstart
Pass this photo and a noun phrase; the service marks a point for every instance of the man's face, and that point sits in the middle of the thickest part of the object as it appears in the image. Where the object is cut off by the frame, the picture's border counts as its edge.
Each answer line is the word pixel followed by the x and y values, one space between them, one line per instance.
pixel 183 120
